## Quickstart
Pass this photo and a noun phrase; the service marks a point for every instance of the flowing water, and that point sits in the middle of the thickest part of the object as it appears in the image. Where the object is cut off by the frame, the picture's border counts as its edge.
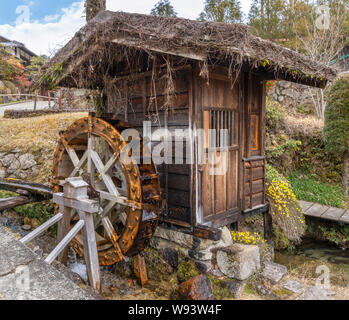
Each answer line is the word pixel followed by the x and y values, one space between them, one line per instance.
pixel 317 253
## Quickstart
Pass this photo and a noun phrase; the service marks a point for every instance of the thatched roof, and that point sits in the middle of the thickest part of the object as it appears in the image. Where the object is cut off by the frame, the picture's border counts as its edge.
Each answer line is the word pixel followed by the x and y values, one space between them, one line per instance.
pixel 230 44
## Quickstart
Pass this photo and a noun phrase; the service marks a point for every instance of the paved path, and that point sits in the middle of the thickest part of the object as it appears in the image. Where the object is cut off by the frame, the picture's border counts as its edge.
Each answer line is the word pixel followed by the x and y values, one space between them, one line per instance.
pixel 24 106
pixel 325 212
pixel 23 276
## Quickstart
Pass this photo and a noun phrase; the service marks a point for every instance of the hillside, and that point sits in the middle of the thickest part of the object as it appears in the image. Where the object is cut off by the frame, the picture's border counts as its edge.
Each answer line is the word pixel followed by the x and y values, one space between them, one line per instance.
pixel 27 145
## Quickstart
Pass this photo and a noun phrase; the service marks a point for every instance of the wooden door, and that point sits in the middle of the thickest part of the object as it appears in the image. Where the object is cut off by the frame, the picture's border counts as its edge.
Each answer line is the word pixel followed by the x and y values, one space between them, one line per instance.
pixel 220 175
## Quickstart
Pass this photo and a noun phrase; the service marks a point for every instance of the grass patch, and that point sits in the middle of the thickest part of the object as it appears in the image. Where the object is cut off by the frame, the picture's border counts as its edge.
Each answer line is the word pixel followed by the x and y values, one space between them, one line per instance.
pixel 34 134
pixel 38 135
pixel 308 188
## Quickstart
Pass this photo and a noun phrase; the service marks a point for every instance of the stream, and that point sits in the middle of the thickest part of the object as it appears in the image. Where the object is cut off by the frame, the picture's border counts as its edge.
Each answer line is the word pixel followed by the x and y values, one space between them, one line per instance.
pixel 312 253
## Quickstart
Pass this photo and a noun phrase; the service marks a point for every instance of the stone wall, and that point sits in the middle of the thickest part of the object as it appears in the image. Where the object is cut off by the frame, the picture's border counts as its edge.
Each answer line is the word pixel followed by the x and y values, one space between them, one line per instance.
pixel 221 257
pixel 16 165
pixel 290 94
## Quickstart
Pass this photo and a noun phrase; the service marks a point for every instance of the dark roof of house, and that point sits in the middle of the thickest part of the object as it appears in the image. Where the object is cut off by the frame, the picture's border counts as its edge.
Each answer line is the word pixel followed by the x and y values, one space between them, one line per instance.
pixel 193 40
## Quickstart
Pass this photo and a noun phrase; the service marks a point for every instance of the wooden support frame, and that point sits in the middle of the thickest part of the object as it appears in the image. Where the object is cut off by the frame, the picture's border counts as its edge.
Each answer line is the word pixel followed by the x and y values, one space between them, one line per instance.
pixel 86 208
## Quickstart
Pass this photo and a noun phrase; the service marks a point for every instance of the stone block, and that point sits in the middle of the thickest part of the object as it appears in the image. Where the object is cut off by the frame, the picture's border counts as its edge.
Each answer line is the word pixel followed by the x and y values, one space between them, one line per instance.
pixel 27 161
pixel 274 272
pixel 238 261
pixel 197 288
pixel 293 286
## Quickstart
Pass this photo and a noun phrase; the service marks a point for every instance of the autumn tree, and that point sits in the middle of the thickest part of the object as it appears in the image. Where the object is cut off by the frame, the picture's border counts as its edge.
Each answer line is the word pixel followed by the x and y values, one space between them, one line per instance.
pixel 336 133
pixel 163 8
pixel 228 11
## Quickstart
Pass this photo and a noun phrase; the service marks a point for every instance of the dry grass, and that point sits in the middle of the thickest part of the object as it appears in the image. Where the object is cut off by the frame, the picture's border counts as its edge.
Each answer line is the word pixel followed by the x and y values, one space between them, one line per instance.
pixel 38 136
pixel 306 125
pixel 34 134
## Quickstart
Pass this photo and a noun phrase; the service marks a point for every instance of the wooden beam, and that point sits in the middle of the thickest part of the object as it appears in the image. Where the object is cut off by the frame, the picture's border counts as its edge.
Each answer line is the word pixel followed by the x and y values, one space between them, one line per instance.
pixel 140 269
pixel 66 240
pixel 13 202
pixel 204 232
pixel 38 231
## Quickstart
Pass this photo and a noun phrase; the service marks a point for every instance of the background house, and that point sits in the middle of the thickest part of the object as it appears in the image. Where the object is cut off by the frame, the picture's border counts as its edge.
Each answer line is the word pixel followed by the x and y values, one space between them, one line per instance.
pixel 17 49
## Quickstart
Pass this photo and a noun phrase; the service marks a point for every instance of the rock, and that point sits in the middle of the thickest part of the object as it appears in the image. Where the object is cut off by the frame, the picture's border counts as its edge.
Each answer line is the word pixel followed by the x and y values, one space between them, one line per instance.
pixel 216 273
pixel 293 286
pixel 238 261
pixel 7 160
pixel 2 173
pixel 26 220
pixel 236 287
pixel 274 272
pixel 171 257
pixel 26 227
pixel 35 223
pixel 14 166
pixel 317 293
pixel 27 161
pixel 186 240
pixel 35 171
pixel 38 251
pixel 16 150
pixel 22 174
pixel 264 291
pixel 198 288
pixel 226 236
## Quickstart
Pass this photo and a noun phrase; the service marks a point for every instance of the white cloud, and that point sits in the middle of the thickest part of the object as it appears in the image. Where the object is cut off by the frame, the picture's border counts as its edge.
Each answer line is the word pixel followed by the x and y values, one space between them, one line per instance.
pixel 46 36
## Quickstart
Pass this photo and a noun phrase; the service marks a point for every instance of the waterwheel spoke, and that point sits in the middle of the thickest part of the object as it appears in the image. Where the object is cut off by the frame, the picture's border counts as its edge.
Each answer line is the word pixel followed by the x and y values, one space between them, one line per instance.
pixel 112 236
pixel 71 152
pixel 111 162
pixel 105 211
pixel 105 177
pixel 121 200
pixel 79 165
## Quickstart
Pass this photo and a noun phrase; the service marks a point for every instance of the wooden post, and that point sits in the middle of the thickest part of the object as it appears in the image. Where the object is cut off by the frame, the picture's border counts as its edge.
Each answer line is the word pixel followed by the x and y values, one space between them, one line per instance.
pixel 35 101
pixel 90 250
pixel 140 269
pixel 268 228
pixel 62 231
pixel 75 197
pixel 49 99
pixel 60 99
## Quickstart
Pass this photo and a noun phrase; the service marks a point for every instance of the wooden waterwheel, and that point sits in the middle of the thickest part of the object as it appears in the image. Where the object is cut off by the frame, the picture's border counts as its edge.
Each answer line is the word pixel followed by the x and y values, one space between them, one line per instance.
pixel 129 194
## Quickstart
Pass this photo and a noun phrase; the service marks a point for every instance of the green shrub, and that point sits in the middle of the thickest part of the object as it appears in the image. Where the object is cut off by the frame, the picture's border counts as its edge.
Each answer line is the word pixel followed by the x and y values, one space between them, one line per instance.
pixel 38 210
pixel 336 133
pixel 288 216
pixel 275 115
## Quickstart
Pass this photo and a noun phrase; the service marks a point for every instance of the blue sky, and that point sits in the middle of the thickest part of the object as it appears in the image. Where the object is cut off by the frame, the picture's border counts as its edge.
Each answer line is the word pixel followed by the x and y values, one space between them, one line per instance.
pixel 52 23
pixel 38 9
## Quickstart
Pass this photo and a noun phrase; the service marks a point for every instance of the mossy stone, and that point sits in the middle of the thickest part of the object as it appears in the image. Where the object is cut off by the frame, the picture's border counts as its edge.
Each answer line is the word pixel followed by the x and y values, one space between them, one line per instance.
pixel 186 270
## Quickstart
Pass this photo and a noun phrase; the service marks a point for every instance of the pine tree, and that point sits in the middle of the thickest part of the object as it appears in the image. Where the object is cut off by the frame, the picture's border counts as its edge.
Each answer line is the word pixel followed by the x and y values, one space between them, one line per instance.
pixel 228 11
pixel 336 133
pixel 265 17
pixel 163 8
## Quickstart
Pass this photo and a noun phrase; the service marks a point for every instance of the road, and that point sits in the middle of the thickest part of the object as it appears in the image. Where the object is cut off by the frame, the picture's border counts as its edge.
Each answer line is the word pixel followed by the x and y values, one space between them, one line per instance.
pixel 24 106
